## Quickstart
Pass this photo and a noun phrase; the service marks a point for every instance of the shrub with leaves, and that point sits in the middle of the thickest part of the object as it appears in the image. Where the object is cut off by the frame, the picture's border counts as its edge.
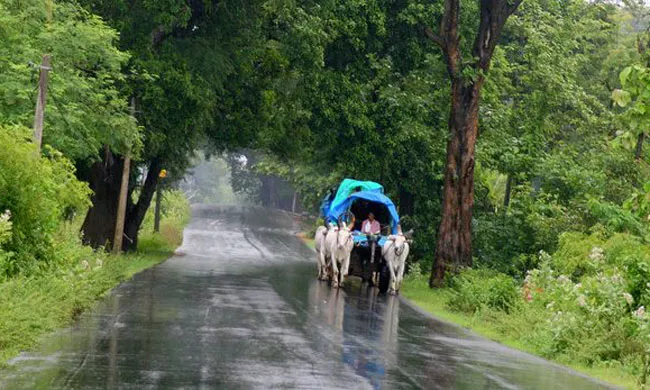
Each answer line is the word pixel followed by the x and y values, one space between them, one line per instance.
pixel 37 191
pixel 474 290
pixel 5 237
pixel 589 319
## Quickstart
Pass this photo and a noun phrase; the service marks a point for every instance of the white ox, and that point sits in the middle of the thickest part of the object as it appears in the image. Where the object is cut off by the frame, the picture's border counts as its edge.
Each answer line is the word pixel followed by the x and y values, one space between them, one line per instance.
pixel 340 243
pixel 319 245
pixel 395 252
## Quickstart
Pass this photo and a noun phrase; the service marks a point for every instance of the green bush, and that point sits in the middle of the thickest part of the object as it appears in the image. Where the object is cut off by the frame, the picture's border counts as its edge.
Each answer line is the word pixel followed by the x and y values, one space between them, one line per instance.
pixel 37 303
pixel 175 212
pixel 578 254
pixel 176 207
pixel 592 319
pixel 631 254
pixel 474 290
pixel 5 237
pixel 36 190
pixel 509 241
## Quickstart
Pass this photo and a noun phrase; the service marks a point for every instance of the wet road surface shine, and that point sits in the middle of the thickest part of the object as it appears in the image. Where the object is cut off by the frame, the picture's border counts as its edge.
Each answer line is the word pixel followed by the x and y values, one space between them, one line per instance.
pixel 242 309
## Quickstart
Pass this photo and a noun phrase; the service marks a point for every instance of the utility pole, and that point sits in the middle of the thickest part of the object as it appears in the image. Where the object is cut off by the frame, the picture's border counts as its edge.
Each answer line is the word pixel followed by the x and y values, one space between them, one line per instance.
pixel 121 206
pixel 121 203
pixel 156 219
pixel 39 115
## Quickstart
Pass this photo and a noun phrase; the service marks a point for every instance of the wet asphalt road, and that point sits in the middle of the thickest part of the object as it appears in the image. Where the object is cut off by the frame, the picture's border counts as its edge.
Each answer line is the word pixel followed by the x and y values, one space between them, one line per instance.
pixel 243 310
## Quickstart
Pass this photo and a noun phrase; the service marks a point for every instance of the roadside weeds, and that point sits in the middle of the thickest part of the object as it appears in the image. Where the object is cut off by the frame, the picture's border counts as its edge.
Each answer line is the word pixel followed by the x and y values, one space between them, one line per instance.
pixel 32 307
pixel 434 302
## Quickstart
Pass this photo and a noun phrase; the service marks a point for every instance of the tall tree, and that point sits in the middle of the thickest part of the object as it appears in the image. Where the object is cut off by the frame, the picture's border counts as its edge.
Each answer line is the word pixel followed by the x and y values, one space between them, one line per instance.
pixel 193 76
pixel 454 245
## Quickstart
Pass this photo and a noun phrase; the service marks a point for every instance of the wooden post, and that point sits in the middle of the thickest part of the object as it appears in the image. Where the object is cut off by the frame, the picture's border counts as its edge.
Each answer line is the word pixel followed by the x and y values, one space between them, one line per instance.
pixel 124 191
pixel 156 219
pixel 121 206
pixel 293 204
pixel 39 115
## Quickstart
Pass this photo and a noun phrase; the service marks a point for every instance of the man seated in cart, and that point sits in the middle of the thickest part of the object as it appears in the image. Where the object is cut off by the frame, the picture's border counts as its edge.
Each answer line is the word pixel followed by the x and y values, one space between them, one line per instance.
pixel 371 228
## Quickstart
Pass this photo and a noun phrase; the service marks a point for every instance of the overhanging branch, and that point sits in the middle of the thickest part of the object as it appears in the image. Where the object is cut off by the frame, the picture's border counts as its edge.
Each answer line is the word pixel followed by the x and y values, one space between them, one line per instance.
pixel 513 7
pixel 434 38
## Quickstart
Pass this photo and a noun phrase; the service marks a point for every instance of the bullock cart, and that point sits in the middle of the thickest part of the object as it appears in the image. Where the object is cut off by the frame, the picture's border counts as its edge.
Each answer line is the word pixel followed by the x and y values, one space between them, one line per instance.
pixel 351 204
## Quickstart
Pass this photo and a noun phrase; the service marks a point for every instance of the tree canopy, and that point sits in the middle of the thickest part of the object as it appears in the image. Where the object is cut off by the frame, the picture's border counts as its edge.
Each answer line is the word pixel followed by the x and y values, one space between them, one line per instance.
pixel 511 134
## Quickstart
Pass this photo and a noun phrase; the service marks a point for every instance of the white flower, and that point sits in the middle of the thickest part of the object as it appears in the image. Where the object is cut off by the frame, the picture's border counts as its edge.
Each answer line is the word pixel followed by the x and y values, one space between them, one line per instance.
pixel 628 298
pixel 619 133
pixel 563 279
pixel 6 216
pixel 543 256
pixel 85 264
pixel 550 305
pixel 99 263
pixel 596 254
pixel 640 312
pixel 582 301
pixel 578 286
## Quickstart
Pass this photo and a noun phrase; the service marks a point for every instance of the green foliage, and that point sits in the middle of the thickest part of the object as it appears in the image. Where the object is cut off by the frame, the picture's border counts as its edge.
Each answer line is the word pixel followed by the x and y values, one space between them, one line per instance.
pixel 5 237
pixel 635 97
pixel 591 321
pixel 174 210
pixel 474 290
pixel 585 304
pixel 85 109
pixel 508 241
pixel 37 191
pixel 38 303
pixel 578 254
pixel 33 306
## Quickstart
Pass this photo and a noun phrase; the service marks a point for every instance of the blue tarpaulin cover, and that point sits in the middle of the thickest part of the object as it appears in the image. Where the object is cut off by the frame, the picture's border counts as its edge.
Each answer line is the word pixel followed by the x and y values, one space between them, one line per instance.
pixel 340 205
pixel 362 239
pixel 347 187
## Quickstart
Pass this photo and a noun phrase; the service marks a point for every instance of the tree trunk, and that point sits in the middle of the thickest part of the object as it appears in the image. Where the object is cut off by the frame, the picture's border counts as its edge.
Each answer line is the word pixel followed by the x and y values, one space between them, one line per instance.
pixel 506 197
pixel 455 234
pixel 639 147
pixel 136 212
pixel 104 179
pixel 454 246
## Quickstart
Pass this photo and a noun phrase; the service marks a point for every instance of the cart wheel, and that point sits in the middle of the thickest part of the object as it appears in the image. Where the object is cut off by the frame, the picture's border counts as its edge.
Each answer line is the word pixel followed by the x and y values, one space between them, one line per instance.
pixel 384 278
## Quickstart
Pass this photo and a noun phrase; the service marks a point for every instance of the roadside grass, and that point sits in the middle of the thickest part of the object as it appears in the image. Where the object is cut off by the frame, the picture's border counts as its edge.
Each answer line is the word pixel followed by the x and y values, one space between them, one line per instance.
pixel 31 307
pixel 501 328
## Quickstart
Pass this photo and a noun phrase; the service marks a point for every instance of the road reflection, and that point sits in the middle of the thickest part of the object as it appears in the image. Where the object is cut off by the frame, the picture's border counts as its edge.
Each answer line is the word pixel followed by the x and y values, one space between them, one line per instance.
pixel 365 327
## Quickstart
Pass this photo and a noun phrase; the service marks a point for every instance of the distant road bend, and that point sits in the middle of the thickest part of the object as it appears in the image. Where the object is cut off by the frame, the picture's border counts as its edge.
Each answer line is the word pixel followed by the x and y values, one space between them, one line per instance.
pixel 243 310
